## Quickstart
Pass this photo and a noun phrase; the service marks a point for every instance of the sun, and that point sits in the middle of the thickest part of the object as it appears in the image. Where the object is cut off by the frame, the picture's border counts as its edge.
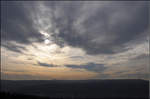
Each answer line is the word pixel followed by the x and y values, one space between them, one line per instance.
pixel 47 41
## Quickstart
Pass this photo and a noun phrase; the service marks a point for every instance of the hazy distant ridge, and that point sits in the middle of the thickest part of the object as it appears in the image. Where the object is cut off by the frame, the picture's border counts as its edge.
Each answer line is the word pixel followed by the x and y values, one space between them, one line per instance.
pixel 79 88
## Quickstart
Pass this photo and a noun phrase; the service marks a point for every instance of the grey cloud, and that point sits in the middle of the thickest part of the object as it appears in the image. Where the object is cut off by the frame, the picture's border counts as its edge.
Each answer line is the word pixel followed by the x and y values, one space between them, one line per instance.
pixel 46 64
pixel 89 66
pixel 142 56
pixel 123 75
pixel 29 58
pixel 137 67
pixel 13 47
pixel 97 28
pixel 105 31
pixel 77 57
pixel 17 25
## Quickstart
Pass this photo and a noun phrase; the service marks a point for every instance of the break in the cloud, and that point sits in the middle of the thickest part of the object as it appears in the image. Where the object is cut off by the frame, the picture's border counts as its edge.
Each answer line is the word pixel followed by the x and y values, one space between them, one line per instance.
pixel 107 38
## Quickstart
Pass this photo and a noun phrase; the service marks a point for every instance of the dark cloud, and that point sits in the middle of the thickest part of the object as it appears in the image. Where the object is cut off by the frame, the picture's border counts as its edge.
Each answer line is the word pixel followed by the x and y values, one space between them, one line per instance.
pixel 77 57
pixel 96 28
pixel 142 56
pixel 45 64
pixel 13 47
pixel 105 29
pixel 89 66
pixel 29 58
pixel 17 25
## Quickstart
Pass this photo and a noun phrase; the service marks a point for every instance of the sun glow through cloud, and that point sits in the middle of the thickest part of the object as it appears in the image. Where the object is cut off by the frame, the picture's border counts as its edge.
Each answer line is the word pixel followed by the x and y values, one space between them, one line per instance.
pixel 75 40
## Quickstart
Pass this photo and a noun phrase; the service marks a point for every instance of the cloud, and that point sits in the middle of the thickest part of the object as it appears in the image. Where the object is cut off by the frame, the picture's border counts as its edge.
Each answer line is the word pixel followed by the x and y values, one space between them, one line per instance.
pixel 14 47
pixel 17 25
pixel 142 56
pixel 100 29
pixel 137 67
pixel 77 57
pixel 89 66
pixel 113 35
pixel 46 64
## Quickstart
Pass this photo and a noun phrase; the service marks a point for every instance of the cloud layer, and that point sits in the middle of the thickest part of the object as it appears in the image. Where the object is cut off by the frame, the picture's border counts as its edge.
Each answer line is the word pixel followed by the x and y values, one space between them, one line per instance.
pixel 104 39
pixel 98 28
pixel 17 26
pixel 89 66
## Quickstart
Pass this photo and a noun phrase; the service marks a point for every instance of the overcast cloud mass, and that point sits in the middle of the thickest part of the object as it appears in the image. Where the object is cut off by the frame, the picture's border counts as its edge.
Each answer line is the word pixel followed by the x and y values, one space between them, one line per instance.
pixel 99 39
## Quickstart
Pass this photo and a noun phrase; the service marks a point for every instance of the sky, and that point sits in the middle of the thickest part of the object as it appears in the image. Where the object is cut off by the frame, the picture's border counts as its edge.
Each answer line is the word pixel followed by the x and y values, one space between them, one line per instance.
pixel 74 40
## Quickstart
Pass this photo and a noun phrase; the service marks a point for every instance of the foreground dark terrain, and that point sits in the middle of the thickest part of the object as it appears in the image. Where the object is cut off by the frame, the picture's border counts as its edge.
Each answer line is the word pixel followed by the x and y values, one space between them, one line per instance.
pixel 60 89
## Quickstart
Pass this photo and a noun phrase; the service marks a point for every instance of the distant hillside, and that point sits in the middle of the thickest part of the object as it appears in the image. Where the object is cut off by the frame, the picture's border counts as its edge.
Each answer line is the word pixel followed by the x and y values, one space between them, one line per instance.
pixel 6 95
pixel 79 88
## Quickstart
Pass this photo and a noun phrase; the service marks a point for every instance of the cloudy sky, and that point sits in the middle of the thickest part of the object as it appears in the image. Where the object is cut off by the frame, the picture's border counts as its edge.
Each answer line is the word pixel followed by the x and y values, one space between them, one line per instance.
pixel 67 40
